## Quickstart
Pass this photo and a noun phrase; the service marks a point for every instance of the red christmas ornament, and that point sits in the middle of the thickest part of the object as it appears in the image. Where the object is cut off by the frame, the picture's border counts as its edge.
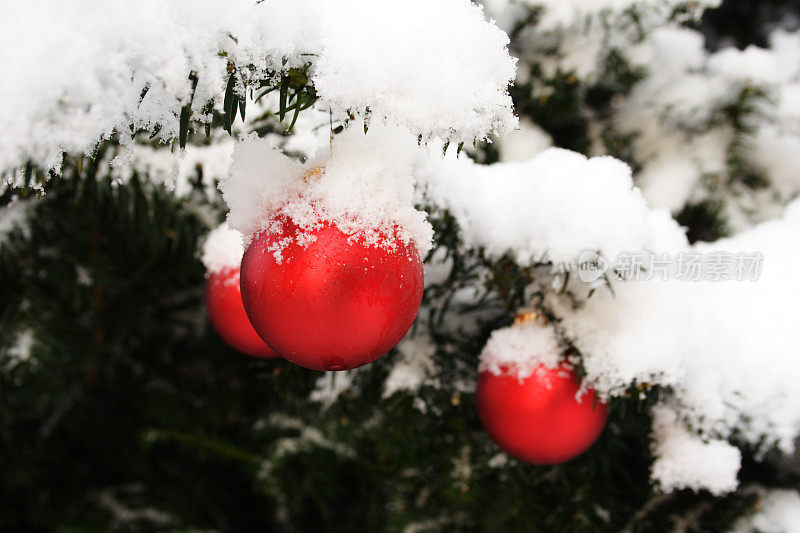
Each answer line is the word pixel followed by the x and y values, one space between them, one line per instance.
pixel 538 419
pixel 334 304
pixel 226 312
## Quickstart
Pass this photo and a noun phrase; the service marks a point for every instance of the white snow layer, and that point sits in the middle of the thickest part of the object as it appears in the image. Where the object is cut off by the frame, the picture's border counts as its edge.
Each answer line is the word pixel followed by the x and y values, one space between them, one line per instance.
pixel 223 249
pixel 686 461
pixel 551 207
pixel 14 215
pixel 520 349
pixel 524 143
pixel 21 352
pixel 365 187
pixel 415 368
pixel 778 512
pixel 176 171
pixel 727 349
pixel 330 385
pixel 437 67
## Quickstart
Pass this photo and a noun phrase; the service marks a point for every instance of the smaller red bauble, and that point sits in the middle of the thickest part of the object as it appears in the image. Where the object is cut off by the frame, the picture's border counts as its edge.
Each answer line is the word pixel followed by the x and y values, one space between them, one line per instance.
pixel 226 312
pixel 332 302
pixel 538 419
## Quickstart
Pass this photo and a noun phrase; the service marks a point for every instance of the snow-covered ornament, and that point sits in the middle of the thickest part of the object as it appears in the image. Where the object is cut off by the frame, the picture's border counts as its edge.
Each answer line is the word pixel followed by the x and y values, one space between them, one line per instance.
pixel 332 276
pixel 327 301
pixel 221 255
pixel 530 403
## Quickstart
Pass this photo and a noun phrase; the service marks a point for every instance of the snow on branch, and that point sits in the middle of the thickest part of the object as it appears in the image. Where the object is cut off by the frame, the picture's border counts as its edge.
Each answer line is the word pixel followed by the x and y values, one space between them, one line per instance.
pixel 550 208
pixel 684 460
pixel 560 13
pixel 87 71
pixel 680 119
pixel 727 349
pixel 579 36
pixel 778 510
pixel 724 349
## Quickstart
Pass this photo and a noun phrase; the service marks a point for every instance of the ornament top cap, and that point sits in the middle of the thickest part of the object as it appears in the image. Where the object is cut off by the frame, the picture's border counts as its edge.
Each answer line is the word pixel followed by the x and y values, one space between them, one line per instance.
pixel 528 316
pixel 314 174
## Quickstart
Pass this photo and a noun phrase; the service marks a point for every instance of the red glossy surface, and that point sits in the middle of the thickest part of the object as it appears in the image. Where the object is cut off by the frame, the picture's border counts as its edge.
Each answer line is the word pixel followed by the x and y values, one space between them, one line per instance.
pixel 334 304
pixel 226 312
pixel 535 423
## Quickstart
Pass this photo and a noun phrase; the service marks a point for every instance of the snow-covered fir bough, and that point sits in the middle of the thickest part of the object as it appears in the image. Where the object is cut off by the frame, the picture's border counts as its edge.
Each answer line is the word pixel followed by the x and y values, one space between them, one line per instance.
pixel 597 171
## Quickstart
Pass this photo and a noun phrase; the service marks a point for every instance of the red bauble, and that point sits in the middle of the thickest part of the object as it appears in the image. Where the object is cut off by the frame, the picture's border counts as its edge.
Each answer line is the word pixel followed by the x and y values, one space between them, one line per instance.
pixel 226 312
pixel 333 304
pixel 539 420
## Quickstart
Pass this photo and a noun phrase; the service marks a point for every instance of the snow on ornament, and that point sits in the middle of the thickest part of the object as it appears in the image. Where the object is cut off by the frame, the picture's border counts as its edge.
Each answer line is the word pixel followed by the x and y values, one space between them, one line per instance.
pixel 332 277
pixel 530 403
pixel 222 254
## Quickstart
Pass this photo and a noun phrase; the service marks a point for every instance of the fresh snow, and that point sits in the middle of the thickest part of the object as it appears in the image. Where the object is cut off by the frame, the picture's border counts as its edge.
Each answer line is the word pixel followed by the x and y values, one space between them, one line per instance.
pixel 222 249
pixel 524 143
pixel 725 348
pixel 551 207
pixel 520 349
pixel 416 366
pixel 364 184
pixel 177 172
pixel 14 216
pixel 778 511
pixel 684 460
pixel 330 385
pixel 21 352
pixel 436 67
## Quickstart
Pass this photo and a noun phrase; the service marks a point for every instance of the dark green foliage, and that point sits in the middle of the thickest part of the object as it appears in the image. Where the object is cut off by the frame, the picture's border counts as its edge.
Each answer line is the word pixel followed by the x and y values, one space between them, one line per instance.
pixel 560 113
pixel 743 22
pixel 703 220
pixel 296 94
pixel 617 79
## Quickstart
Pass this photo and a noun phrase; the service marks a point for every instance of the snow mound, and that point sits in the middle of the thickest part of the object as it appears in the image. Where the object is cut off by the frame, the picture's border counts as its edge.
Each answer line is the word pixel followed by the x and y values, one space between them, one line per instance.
pixel 778 512
pixel 365 187
pixel 550 208
pixel 685 461
pixel 437 67
pixel 520 349
pixel 222 250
